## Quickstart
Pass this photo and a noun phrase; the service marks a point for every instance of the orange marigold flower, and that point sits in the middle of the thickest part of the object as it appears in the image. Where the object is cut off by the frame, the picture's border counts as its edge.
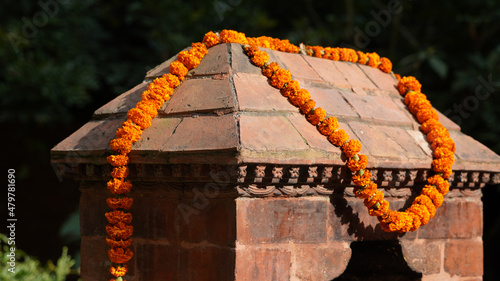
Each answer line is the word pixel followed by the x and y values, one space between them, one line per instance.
pixel 438 132
pixel 317 51
pixel 115 217
pixel 171 80
pixel 351 148
pixel 434 195
pixel 427 202
pixel 251 50
pixel 385 65
pixel 280 78
pixel 373 60
pixel 430 125
pixel 443 142
pixel 177 68
pixel 362 57
pixel 124 203
pixel 396 221
pixel 362 180
pixel 409 219
pixel 376 197
pixel 149 107
pixel 338 138
pixel 416 221
pixel 119 231
pixel 118 186
pixel 379 209
pixel 129 131
pixel 231 36
pixel 408 83
pixel 260 59
pixel 412 97
pixel 120 172
pixel 139 117
pixel 421 212
pixel 364 192
pixel 118 271
pixel 122 146
pixel 117 160
pixel 290 89
pixel 442 185
pixel 306 107
pixel 418 105
pixel 118 243
pixel 357 162
pixel 300 97
pixel 199 48
pixel 316 115
pixel 189 59
pixel 270 69
pixel 442 152
pixel 348 55
pixel 120 255
pixel 328 126
pixel 398 77
pixel 426 114
pixel 443 165
pixel 211 39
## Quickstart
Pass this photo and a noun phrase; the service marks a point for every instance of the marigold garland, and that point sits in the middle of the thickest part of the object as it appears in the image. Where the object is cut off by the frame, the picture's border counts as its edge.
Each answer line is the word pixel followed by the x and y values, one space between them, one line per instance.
pixel 159 90
pixel 139 118
pixel 424 206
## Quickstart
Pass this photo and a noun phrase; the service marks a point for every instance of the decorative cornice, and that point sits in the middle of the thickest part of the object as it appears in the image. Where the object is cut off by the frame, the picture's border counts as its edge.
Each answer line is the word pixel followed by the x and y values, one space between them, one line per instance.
pixel 281 176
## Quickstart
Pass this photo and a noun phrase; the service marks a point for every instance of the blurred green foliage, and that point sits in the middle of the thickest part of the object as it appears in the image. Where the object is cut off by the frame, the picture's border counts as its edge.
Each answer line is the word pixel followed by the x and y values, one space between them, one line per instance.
pixel 27 268
pixel 63 59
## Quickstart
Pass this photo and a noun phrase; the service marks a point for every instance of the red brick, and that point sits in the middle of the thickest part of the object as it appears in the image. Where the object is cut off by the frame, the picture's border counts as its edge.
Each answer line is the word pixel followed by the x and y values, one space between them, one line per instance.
pixel 313 137
pixel 267 221
pixel 298 66
pixel 328 71
pixel 331 101
pixel 423 256
pixel 265 133
pixel 354 75
pixel 255 93
pixel 204 133
pixel 93 206
pixel 456 218
pixel 216 61
pixel 320 263
pixel 384 81
pixel 157 262
pixel 155 136
pixel 349 220
pixel 124 102
pixel 94 258
pixel 464 257
pixel 262 264
pixel 199 95
pixel 377 142
pixel 91 139
pixel 213 222
pixel 155 216
pixel 240 63
pixel 377 108
pixel 206 264
pixel 407 142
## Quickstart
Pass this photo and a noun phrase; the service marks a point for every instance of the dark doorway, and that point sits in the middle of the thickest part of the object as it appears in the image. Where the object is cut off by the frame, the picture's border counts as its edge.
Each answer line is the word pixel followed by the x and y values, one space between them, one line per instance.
pixel 378 260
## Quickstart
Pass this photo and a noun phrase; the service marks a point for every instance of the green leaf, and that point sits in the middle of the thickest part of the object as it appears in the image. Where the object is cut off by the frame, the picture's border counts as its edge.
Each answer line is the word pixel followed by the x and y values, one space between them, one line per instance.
pixel 439 67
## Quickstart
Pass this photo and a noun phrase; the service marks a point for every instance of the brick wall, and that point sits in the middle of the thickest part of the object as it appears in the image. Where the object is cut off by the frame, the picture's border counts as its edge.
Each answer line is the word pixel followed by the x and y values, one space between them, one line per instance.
pixel 185 233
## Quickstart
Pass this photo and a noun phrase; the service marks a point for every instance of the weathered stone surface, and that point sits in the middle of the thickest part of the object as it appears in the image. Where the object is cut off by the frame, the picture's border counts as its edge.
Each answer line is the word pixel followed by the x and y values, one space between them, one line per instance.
pixel 464 257
pixel 423 255
pixel 263 264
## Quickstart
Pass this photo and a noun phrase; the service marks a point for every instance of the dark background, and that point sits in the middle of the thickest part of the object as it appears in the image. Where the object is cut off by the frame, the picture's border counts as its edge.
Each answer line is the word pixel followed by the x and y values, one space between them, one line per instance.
pixel 61 60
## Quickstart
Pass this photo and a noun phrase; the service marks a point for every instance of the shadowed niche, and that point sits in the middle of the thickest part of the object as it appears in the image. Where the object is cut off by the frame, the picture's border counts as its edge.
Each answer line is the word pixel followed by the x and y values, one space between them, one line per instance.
pixel 378 260
pixel 377 255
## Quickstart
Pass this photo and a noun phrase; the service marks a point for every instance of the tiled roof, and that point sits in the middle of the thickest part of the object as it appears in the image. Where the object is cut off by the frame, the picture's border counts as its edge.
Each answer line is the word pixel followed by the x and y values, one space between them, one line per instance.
pixel 226 112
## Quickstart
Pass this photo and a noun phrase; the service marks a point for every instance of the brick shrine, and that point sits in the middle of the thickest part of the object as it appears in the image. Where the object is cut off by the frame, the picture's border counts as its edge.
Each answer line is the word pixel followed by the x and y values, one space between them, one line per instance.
pixel 232 183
